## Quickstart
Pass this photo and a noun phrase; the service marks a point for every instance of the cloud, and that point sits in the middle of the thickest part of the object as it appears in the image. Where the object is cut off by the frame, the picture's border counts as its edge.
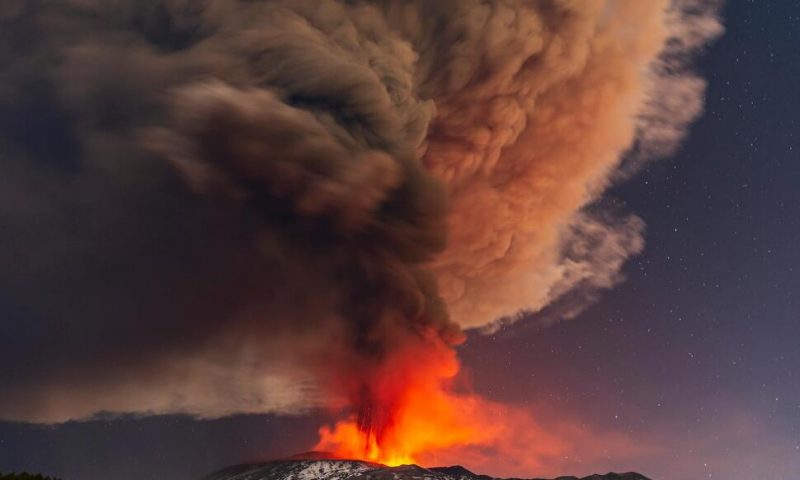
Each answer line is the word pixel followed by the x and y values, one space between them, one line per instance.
pixel 536 110
pixel 184 180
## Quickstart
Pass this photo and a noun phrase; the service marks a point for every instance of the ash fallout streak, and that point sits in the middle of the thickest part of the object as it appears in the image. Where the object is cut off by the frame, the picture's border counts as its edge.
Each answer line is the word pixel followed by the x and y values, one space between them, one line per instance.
pixel 270 206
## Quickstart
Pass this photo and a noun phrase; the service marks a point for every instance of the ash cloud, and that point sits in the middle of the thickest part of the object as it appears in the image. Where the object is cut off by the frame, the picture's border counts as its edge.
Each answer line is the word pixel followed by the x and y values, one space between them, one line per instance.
pixel 536 110
pixel 211 207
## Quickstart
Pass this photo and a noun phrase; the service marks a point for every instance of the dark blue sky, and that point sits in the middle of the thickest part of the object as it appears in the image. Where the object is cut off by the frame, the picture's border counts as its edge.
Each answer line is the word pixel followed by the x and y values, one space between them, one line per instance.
pixel 695 354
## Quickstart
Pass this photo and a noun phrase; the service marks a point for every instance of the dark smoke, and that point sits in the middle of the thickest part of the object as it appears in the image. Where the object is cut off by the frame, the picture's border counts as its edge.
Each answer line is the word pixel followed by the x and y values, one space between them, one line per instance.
pixel 223 206
pixel 298 125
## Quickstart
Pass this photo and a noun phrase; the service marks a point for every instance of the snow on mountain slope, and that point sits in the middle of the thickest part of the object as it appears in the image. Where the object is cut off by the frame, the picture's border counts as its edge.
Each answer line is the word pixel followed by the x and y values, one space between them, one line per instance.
pixel 328 469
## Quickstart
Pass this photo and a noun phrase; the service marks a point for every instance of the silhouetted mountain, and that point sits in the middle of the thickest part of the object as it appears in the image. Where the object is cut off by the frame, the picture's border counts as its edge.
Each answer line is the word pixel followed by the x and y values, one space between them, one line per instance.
pixel 24 476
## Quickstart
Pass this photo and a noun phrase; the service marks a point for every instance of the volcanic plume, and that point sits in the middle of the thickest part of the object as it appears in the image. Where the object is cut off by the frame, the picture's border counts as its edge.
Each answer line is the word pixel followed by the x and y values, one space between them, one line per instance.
pixel 268 206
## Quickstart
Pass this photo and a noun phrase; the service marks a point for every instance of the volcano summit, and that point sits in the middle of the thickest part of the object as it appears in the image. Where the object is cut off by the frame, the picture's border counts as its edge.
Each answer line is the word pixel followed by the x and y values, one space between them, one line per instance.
pixel 329 469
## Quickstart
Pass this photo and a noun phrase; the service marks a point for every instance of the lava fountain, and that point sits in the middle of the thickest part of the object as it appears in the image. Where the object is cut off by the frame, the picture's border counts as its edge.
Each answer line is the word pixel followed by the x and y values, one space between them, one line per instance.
pixel 406 408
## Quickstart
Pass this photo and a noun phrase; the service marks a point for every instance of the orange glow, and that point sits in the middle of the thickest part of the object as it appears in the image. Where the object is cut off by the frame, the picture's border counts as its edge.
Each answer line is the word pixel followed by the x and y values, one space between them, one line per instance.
pixel 408 410
pixel 412 408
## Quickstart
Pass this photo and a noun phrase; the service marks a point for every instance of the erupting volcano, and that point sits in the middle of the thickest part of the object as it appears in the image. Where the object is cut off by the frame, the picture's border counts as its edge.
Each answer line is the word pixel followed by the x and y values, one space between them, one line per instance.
pixel 288 206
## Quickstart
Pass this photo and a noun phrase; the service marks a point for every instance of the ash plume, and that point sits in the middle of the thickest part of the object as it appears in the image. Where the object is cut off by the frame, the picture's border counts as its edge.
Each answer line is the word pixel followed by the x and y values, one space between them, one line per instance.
pixel 217 207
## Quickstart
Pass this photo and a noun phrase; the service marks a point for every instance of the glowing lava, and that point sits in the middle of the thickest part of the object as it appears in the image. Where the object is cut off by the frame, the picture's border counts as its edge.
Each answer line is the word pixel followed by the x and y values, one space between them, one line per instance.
pixel 407 409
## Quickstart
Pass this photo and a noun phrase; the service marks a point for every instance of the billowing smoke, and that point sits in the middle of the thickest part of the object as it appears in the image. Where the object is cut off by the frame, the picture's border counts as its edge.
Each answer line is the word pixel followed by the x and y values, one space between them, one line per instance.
pixel 216 207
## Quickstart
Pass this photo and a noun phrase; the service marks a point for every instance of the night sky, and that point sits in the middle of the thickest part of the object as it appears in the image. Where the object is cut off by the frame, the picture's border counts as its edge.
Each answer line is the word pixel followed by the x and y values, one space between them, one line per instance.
pixel 694 357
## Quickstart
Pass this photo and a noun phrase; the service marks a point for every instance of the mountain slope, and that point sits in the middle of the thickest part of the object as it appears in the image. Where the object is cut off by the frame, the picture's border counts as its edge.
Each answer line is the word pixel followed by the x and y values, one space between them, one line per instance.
pixel 329 469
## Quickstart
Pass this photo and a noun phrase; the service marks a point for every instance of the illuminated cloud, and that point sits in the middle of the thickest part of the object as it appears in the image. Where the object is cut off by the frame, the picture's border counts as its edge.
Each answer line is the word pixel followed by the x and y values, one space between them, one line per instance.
pixel 195 192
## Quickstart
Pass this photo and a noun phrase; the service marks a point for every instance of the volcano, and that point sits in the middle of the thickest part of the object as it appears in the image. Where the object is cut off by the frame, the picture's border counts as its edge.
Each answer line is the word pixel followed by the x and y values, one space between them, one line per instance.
pixel 319 467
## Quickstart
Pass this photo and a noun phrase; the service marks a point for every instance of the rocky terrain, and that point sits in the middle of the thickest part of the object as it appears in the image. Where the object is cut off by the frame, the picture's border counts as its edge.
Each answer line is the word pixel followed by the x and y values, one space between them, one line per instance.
pixel 329 469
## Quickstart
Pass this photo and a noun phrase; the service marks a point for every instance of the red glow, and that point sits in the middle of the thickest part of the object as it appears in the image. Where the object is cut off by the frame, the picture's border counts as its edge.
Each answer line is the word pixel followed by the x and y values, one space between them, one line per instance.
pixel 407 411
pixel 409 408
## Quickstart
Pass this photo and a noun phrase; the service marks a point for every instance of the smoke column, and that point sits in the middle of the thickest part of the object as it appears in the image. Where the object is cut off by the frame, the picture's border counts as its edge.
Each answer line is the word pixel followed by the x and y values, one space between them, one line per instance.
pixel 216 207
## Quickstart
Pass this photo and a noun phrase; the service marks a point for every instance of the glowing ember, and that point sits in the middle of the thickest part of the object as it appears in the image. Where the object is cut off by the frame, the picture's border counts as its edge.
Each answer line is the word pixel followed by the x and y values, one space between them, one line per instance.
pixel 407 410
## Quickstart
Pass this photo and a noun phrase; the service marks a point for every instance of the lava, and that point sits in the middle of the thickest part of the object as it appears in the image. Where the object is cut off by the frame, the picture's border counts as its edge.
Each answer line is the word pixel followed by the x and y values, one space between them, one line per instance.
pixel 407 408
